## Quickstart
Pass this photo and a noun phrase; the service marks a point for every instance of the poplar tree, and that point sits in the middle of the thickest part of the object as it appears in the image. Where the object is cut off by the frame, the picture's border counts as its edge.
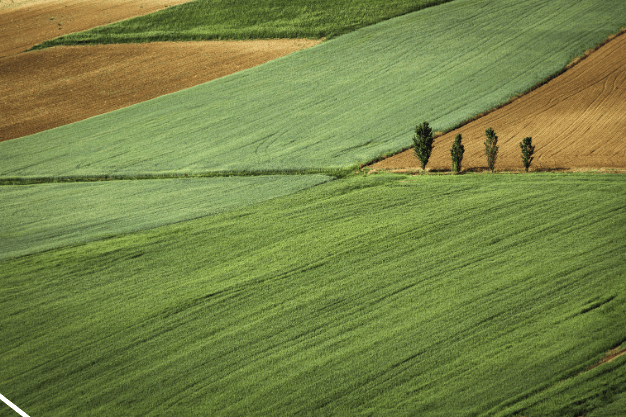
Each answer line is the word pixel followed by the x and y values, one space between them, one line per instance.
pixel 491 148
pixel 527 151
pixel 457 151
pixel 423 141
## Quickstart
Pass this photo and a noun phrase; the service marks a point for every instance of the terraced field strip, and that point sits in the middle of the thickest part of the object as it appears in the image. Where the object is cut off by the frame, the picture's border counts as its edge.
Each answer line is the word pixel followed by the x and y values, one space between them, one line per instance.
pixel 46 216
pixel 384 294
pixel 41 90
pixel 342 103
pixel 577 120
pixel 248 19
pixel 25 23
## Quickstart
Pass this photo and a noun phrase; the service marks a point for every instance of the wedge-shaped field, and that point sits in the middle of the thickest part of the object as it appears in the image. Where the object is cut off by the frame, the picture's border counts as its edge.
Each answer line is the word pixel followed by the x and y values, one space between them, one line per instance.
pixel 576 120
pixel 45 216
pixel 385 295
pixel 248 19
pixel 338 104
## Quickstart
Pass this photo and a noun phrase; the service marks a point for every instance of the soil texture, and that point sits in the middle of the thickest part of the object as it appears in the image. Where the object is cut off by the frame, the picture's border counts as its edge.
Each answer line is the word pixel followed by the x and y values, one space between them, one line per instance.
pixel 40 90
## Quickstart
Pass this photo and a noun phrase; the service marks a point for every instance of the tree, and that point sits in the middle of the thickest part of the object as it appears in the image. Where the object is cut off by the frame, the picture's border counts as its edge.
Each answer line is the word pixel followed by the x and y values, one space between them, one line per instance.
pixel 491 148
pixel 423 140
pixel 527 151
pixel 457 151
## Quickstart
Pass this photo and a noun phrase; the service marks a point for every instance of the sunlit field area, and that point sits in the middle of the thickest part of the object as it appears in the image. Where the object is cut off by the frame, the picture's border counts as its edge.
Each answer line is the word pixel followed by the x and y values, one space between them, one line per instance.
pixel 247 19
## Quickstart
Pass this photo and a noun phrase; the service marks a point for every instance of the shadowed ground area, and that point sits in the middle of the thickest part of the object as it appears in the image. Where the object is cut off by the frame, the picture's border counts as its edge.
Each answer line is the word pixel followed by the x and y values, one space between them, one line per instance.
pixel 576 120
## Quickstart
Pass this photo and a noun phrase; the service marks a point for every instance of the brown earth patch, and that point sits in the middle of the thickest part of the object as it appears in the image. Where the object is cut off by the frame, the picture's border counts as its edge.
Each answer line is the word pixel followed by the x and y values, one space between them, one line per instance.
pixel 25 23
pixel 577 121
pixel 43 89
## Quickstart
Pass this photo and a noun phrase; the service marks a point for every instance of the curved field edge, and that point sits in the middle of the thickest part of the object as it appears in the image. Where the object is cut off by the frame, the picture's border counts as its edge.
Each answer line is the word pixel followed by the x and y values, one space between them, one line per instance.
pixel 339 104
pixel 258 19
pixel 42 217
pixel 380 294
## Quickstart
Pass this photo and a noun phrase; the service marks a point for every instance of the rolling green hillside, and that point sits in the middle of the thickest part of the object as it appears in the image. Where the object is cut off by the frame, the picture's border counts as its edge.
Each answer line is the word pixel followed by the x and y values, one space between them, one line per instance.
pixel 247 19
pixel 382 295
pixel 336 105
pixel 45 216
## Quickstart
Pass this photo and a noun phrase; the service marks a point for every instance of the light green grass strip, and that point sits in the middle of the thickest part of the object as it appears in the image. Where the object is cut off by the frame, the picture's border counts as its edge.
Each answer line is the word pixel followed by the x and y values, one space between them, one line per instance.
pixel 381 295
pixel 247 19
pixel 338 104
pixel 41 217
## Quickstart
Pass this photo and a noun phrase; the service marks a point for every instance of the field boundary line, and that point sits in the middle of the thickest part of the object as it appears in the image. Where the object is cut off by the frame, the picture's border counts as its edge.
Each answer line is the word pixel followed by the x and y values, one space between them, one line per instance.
pixel 572 64
pixel 28 180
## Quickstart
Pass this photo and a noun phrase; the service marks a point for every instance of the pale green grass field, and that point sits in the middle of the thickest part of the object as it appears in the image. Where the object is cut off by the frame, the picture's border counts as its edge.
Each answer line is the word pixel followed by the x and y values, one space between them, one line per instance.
pixel 45 216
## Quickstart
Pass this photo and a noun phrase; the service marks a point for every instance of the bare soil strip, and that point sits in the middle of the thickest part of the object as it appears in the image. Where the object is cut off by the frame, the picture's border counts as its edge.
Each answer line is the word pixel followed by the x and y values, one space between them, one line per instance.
pixel 577 121
pixel 40 90
pixel 610 356
pixel 25 23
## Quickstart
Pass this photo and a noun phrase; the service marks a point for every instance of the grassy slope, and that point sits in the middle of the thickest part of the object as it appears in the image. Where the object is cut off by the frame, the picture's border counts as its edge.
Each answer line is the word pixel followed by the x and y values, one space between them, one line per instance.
pixel 344 102
pixel 392 295
pixel 45 216
pixel 246 19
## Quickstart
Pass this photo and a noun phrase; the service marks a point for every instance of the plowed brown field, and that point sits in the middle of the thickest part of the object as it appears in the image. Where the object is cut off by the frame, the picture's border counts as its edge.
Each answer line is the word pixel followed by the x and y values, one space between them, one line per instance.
pixel 577 121
pixel 40 90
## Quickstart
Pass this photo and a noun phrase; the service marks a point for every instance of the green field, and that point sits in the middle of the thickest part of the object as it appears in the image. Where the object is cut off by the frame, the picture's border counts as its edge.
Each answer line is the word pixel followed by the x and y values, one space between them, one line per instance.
pixel 382 295
pixel 152 294
pixel 247 19
pixel 45 216
pixel 341 103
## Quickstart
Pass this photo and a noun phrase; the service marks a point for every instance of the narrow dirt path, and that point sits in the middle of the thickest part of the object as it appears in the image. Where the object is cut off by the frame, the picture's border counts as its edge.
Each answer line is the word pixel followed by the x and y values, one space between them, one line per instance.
pixel 576 121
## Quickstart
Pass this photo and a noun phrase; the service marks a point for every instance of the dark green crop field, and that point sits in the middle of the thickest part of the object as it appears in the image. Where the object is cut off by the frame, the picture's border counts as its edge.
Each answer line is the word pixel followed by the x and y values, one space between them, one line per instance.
pixel 247 19
pixel 465 295
pixel 342 103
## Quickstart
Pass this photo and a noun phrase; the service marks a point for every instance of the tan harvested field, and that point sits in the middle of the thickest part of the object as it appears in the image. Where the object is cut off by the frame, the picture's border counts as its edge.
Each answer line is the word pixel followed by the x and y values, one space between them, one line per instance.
pixel 577 121
pixel 25 23
pixel 40 90
pixel 44 89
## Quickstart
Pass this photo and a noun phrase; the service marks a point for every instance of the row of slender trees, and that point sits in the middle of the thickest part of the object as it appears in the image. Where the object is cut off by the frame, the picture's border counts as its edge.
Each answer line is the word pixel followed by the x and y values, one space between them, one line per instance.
pixel 424 138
